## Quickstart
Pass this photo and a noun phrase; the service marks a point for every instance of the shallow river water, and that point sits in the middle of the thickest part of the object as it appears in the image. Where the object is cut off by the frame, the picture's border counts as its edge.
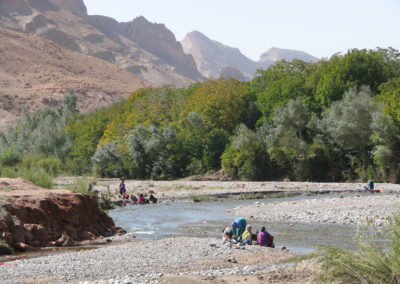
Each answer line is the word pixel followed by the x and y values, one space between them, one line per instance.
pixel 209 218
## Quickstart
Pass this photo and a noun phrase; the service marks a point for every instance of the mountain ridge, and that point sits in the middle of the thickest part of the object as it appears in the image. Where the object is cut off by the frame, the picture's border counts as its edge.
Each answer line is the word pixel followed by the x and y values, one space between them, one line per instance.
pixel 213 57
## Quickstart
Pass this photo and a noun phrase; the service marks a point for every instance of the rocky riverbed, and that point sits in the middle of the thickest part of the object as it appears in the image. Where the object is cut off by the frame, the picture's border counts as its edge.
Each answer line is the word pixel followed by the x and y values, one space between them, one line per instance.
pixel 157 261
pixel 181 190
pixel 206 260
pixel 357 209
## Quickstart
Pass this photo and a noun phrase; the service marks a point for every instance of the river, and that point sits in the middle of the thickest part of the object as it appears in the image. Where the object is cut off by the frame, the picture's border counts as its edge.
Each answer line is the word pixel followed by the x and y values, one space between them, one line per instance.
pixel 207 219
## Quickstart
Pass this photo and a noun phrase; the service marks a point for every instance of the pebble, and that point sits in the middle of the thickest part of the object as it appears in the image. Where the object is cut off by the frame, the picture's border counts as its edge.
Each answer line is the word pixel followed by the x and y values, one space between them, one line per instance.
pixel 134 262
pixel 341 210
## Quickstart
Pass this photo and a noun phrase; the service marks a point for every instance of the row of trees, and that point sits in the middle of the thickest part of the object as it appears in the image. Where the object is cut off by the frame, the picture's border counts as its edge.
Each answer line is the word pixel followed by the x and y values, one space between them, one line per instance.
pixel 336 119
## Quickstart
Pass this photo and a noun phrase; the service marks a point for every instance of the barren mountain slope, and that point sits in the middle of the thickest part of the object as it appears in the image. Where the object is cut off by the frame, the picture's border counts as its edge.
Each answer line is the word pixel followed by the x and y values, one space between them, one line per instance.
pixel 67 23
pixel 35 72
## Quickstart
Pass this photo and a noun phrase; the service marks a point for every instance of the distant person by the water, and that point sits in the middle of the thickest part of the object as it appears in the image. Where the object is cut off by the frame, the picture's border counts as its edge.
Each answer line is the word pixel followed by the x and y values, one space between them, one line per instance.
pixel 142 199
pixel 227 234
pixel 238 227
pixel 122 189
pixel 265 239
pixel 152 199
pixel 370 186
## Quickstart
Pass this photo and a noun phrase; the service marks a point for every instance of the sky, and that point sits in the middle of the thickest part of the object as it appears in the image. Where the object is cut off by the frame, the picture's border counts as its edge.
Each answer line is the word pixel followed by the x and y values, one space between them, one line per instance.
pixel 318 27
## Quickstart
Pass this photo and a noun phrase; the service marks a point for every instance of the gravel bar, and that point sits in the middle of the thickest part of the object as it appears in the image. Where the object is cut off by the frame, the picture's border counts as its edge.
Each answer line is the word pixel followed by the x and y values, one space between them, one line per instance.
pixel 143 262
pixel 358 209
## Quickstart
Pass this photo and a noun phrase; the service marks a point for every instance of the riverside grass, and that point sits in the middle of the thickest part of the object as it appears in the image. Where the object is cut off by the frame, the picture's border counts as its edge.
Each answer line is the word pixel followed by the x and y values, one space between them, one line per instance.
pixel 38 176
pixel 374 261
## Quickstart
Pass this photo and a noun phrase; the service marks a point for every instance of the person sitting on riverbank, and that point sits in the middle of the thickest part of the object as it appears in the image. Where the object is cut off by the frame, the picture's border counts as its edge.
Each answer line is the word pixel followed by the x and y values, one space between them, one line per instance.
pixel 370 186
pixel 142 199
pixel 152 199
pixel 265 239
pixel 238 227
pixel 227 234
pixel 247 236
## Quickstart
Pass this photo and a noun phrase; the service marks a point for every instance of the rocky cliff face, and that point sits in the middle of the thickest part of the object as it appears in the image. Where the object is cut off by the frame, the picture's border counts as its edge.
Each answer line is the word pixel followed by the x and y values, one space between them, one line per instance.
pixel 76 7
pixel 37 218
pixel 276 54
pixel 157 39
pixel 212 57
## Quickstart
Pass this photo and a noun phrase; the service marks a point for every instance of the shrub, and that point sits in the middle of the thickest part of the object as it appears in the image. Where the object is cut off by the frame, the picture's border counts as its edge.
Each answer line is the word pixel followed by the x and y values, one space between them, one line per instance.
pixel 52 165
pixel 10 156
pixel 372 262
pixel 105 202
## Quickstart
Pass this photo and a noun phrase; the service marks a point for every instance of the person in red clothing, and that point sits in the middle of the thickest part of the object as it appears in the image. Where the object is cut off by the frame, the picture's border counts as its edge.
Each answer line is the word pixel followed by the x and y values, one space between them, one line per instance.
pixel 265 239
pixel 142 199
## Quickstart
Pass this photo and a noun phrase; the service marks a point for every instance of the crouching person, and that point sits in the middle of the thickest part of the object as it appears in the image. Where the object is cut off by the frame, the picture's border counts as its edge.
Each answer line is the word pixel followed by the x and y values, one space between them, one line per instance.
pixel 247 236
pixel 265 239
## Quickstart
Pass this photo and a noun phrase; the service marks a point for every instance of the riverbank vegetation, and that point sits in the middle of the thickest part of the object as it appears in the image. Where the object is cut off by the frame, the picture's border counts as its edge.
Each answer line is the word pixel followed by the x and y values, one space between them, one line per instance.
pixel 374 261
pixel 334 120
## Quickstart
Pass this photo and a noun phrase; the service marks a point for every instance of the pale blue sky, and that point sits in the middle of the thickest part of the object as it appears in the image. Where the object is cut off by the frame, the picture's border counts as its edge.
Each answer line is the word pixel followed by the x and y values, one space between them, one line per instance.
pixel 319 27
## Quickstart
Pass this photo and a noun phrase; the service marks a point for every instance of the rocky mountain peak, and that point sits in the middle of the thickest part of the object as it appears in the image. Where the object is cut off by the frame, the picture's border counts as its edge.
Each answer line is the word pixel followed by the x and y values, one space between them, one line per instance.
pixel 76 7
pixel 159 40
pixel 212 57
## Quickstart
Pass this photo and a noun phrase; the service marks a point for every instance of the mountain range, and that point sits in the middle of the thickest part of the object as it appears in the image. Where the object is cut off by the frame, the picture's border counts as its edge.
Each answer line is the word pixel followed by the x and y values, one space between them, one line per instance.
pixel 213 57
pixel 50 46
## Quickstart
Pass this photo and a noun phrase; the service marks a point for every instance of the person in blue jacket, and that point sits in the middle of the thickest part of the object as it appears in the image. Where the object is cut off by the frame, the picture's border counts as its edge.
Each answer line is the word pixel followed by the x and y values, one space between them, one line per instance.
pixel 239 226
pixel 370 186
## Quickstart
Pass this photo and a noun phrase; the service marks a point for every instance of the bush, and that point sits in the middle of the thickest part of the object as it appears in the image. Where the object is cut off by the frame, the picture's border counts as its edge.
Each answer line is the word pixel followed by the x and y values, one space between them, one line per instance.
pixel 52 165
pixel 372 262
pixel 10 157
pixel 105 202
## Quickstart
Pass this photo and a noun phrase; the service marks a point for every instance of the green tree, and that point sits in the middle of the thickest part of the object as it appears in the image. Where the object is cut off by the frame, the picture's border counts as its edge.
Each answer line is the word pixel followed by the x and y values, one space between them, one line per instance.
pixel 220 102
pixel 246 158
pixel 347 125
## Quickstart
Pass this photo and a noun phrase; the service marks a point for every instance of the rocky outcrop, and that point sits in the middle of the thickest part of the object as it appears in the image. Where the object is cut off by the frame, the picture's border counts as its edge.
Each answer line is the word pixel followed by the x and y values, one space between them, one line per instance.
pixel 212 57
pixel 41 218
pixel 276 54
pixel 157 39
pixel 76 7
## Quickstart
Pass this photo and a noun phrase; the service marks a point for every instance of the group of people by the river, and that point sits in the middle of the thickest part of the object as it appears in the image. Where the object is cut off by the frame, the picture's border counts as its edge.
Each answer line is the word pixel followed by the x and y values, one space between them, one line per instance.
pixel 137 200
pixel 240 232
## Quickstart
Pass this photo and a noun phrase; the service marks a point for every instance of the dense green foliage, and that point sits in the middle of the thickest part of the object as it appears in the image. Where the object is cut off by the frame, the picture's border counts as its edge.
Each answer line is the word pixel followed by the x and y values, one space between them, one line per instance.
pixel 372 262
pixel 337 119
